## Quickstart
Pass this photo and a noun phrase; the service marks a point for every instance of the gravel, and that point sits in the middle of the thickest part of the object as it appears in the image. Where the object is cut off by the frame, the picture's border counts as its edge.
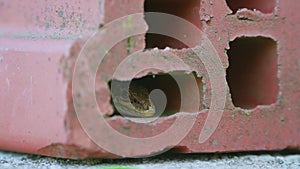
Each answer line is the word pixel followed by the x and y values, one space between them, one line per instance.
pixel 9 160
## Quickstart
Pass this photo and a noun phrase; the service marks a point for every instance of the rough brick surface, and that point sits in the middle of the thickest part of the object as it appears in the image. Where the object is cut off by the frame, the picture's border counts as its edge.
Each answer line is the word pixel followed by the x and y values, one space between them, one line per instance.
pixel 40 40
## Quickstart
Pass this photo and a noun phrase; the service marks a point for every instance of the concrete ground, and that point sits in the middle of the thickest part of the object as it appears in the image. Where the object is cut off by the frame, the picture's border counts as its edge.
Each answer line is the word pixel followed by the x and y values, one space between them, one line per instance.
pixel 276 160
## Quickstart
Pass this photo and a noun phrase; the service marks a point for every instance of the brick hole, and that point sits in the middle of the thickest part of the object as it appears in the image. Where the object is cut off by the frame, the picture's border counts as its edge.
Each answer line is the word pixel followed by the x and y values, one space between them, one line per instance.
pixel 265 6
pixel 252 71
pixel 187 9
pixel 168 85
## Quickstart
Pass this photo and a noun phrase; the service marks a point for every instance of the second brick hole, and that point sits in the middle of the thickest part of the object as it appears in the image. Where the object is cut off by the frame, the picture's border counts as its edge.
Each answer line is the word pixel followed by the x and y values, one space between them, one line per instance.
pixel 265 6
pixel 252 71
pixel 187 9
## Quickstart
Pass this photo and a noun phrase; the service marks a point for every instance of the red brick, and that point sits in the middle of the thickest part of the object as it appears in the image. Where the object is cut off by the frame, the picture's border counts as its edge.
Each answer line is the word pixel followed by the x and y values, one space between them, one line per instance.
pixel 40 40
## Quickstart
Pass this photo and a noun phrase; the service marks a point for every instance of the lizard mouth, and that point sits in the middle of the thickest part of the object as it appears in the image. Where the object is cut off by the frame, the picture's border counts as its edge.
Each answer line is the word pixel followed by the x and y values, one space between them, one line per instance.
pixel 150 112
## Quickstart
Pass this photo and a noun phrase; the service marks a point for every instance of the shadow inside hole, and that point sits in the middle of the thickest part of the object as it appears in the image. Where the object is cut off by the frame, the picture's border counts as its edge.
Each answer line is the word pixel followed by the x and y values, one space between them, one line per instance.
pixel 252 71
pixel 187 9
pixel 265 6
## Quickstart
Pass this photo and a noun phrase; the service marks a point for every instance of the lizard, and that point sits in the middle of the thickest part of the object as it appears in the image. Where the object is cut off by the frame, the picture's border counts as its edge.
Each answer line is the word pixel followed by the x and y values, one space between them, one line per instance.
pixel 134 102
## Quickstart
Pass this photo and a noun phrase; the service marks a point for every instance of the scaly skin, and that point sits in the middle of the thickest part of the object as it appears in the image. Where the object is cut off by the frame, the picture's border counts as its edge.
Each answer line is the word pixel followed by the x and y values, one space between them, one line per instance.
pixel 136 103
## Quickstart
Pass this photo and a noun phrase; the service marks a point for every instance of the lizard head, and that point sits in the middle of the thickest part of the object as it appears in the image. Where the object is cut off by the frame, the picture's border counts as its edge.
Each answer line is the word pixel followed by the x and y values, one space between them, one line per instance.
pixel 134 102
